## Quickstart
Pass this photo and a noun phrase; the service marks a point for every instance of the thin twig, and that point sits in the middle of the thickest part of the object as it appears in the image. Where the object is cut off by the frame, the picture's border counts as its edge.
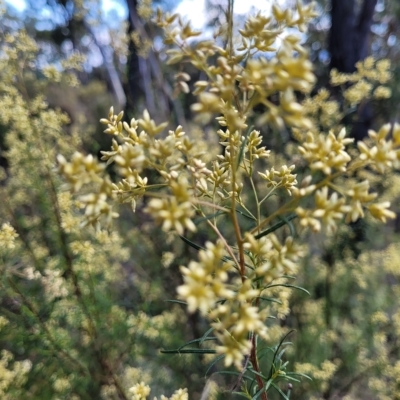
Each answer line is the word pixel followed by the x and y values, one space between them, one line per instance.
pixel 228 248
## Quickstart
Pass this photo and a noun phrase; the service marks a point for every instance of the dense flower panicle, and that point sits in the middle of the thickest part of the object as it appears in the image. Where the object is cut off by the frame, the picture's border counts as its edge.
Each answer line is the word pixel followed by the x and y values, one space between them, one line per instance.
pixel 234 350
pixel 326 153
pixel 149 126
pixel 180 394
pixel 7 236
pixel 96 207
pixel 366 83
pixel 322 111
pixel 55 286
pixel 174 213
pixel 380 211
pixel 86 170
pixel 253 148
pixel 282 178
pixel 171 214
pixel 231 277
pixel 80 171
pixel 368 70
pixel 384 153
pixel 187 182
pixel 109 156
pixel 260 76
pixel 197 290
pixel 382 92
pixel 204 281
pixel 12 372
pixel 52 270
pixel 358 92
pixel 129 157
pixel 249 320
pixel 328 211
pixel 259 247
pixel 140 391
pixel 131 189
pixel 273 258
pixel 359 195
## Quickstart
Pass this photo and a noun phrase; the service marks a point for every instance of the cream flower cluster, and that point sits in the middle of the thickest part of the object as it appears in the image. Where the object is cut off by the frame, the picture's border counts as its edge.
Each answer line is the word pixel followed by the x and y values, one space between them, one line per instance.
pixel 326 153
pixel 329 154
pixel 7 236
pixel 205 281
pixel 141 391
pixel 281 178
pixel 233 275
pixel 136 151
pixel 368 81
pixel 232 305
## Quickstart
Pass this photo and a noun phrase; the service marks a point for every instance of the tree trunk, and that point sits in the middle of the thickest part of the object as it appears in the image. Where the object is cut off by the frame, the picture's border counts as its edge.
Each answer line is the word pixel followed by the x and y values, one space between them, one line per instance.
pixel 348 44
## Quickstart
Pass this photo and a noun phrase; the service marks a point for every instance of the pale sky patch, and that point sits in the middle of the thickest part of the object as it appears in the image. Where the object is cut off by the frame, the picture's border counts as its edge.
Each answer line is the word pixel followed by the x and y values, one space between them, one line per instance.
pixel 195 10
pixel 20 5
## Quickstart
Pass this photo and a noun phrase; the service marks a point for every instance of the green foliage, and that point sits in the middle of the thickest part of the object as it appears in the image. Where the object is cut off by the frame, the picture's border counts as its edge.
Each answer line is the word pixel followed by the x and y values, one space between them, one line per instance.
pixel 70 325
pixel 83 310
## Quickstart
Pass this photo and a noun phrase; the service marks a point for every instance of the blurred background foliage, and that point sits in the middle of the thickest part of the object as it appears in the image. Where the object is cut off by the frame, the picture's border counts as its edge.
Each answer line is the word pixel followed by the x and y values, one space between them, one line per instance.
pixel 91 324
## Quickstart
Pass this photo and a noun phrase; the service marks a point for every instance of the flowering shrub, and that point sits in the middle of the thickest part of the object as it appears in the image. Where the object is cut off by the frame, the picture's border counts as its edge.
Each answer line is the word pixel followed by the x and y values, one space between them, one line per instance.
pixel 63 290
pixel 243 274
pixel 240 272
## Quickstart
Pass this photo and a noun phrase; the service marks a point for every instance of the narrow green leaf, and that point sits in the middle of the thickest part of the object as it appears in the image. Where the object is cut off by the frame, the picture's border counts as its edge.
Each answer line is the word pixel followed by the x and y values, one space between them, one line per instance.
pixel 257 373
pixel 205 336
pixel 241 151
pixel 290 225
pixel 229 259
pixel 276 226
pixel 276 351
pixel 289 286
pixel 189 351
pixel 279 391
pixel 268 384
pixel 281 353
pixel 207 217
pixel 287 343
pixel 177 302
pixel 229 373
pixel 298 374
pixel 213 362
pixel 259 393
pixel 263 352
pixel 190 243
pixel 271 299
pixel 196 341
pixel 289 378
pixel 248 216
pixel 243 213
pixel 246 396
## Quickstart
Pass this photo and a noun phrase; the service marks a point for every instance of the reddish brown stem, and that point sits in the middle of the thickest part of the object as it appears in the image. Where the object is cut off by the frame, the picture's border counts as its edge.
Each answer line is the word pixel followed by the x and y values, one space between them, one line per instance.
pixel 254 361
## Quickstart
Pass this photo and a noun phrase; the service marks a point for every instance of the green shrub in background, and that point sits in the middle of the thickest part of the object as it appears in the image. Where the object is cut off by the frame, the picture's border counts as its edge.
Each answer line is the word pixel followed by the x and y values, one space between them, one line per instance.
pixel 70 327
pixel 80 316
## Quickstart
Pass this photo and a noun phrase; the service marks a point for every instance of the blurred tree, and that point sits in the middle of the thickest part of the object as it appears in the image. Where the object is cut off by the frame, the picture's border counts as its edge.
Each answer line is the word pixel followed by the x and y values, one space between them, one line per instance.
pixel 337 330
pixel 348 44
pixel 145 75
pixel 67 26
pixel 63 28
pixel 348 31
